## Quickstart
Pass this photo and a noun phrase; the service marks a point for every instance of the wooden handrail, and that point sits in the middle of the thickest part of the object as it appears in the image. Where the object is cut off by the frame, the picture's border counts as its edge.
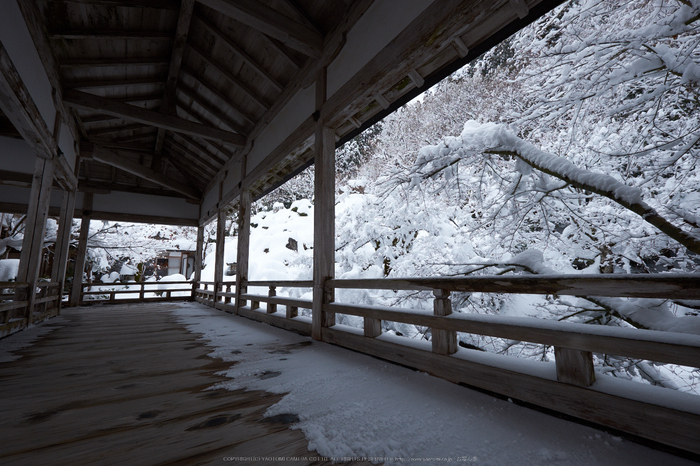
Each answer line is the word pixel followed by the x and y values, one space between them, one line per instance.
pixel 669 347
pixel 667 286
pixel 14 284
pixel 283 283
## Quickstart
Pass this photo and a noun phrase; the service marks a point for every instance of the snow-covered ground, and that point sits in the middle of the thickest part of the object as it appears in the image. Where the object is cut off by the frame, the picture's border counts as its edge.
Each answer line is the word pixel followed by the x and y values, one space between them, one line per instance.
pixel 352 405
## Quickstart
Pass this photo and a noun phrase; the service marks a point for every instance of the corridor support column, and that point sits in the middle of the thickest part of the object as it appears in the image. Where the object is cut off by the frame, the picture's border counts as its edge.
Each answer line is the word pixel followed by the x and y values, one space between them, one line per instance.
pixel 35 227
pixel 324 216
pixel 62 248
pixel 243 252
pixel 77 287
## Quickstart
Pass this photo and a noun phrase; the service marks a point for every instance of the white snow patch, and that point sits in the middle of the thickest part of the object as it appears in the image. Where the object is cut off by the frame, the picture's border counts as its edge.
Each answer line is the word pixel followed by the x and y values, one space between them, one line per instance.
pixel 352 405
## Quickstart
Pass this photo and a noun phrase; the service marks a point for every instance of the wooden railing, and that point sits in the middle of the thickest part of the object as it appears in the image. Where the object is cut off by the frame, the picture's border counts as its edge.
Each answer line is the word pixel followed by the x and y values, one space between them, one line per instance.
pixel 569 385
pixel 18 308
pixel 136 292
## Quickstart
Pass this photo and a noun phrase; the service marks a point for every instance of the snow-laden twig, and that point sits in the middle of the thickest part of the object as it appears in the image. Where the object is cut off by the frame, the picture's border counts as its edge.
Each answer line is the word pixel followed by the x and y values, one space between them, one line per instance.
pixel 496 139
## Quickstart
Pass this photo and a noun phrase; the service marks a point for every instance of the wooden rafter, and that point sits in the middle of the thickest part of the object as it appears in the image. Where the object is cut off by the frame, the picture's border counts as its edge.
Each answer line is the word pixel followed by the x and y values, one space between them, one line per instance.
pixel 190 157
pixel 120 159
pixel 250 61
pixel 181 32
pixel 212 109
pixel 253 95
pixel 117 34
pixel 272 23
pixel 86 101
pixel 116 129
pixel 198 163
pixel 111 62
pixel 103 83
pixel 218 94
pixel 160 4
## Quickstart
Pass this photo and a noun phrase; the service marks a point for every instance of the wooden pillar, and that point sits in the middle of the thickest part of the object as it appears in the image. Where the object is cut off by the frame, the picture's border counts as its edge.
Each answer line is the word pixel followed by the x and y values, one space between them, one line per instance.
pixel 198 260
pixel 77 288
pixel 243 252
pixel 324 217
pixel 35 226
pixel 444 341
pixel 198 255
pixel 60 260
pixel 219 258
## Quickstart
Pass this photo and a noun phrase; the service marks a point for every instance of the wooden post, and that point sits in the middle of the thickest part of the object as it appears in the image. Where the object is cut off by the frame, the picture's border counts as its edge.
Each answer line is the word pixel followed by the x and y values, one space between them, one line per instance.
pixel 292 311
pixel 198 259
pixel 444 341
pixel 272 308
pixel 77 288
pixel 324 216
pixel 574 366
pixel 219 259
pixel 60 260
pixel 243 247
pixel 373 327
pixel 227 299
pixel 35 225
pixel 142 291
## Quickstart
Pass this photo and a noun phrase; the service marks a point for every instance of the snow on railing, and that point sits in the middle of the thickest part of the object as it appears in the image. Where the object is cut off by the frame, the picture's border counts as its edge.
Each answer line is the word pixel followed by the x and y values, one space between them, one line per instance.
pixel 569 385
pixel 137 291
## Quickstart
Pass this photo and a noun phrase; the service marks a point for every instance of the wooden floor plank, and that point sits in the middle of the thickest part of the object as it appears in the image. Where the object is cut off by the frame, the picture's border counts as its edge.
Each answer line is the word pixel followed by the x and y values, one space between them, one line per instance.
pixel 129 385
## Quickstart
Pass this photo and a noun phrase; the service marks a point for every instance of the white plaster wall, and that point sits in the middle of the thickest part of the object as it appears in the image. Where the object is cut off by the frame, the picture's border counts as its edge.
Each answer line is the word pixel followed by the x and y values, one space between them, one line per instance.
pixel 16 155
pixel 14 194
pixel 382 22
pixel 16 39
pixel 67 146
pixel 292 115
pixel 141 204
pixel 20 195
pixel 232 179
pixel 210 200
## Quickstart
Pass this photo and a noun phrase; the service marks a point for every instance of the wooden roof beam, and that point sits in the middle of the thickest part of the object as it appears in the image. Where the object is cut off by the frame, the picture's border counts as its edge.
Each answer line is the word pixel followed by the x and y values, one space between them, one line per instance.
pixel 86 101
pixel 220 36
pixel 102 83
pixel 198 162
pixel 159 4
pixel 213 110
pixel 193 168
pixel 111 62
pixel 117 34
pixel 217 93
pixel 272 23
pixel 115 129
pixel 119 158
pixel 230 77
pixel 181 33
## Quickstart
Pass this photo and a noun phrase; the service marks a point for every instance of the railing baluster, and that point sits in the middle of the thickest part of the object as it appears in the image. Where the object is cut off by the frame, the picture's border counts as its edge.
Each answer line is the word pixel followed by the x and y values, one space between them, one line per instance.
pixel 373 327
pixel 574 366
pixel 272 292
pixel 444 341
pixel 227 299
pixel 292 311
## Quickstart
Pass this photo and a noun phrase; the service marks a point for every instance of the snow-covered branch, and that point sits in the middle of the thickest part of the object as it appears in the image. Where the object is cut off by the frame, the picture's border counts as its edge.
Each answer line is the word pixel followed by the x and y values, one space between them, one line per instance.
pixel 496 139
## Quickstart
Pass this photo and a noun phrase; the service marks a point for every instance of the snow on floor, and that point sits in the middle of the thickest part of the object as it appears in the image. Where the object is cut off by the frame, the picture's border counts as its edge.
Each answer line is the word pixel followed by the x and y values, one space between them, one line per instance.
pixel 20 340
pixel 353 405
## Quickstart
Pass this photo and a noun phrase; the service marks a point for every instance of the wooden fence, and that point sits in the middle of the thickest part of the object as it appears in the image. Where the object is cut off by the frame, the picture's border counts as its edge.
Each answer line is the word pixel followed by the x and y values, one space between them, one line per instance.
pixel 136 292
pixel 18 308
pixel 569 385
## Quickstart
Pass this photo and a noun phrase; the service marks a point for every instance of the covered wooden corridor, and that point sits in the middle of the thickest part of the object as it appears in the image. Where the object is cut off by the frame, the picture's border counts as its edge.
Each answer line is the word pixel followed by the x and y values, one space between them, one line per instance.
pixel 182 111
pixel 128 384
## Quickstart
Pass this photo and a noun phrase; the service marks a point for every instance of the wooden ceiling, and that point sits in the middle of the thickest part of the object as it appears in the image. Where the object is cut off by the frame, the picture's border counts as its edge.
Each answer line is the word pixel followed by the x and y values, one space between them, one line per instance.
pixel 166 94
